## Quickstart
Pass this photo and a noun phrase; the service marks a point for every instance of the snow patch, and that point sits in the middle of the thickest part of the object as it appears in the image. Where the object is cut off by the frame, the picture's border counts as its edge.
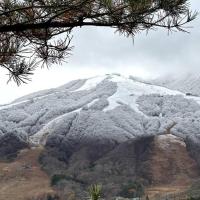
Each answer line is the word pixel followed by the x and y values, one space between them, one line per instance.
pixel 92 102
pixel 41 136
pixel 91 83
pixel 12 104
pixel 129 90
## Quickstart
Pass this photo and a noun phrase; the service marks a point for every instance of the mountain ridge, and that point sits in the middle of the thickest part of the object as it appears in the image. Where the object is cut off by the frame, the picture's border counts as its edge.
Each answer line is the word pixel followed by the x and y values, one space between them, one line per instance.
pixel 108 129
pixel 101 93
pixel 186 82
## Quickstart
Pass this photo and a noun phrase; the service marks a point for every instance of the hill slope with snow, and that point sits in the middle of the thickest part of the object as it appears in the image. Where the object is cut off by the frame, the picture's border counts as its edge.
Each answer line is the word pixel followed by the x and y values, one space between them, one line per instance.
pixel 186 83
pixel 110 106
pixel 108 129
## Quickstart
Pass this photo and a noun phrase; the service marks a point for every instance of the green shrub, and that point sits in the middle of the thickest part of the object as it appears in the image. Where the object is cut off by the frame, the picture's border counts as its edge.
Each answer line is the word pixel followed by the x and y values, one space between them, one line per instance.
pixel 54 197
pixel 57 178
pixel 194 191
pixel 132 190
pixel 95 192
pixel 194 198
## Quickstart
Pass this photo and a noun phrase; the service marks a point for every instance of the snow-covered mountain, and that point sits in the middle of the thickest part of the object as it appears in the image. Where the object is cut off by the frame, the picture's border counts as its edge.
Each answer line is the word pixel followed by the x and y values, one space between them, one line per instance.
pixel 108 129
pixel 110 106
pixel 186 83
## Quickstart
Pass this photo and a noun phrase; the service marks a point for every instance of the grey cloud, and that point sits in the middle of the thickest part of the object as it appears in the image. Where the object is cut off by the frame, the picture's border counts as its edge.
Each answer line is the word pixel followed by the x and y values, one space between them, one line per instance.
pixel 99 50
pixel 157 52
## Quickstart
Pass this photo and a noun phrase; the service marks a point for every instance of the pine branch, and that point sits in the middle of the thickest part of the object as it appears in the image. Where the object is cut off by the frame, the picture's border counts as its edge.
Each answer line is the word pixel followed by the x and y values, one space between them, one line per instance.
pixel 30 30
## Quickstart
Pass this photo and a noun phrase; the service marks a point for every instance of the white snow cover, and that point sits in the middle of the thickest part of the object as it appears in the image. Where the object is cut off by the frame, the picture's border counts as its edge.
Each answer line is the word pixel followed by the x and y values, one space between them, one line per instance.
pixel 41 136
pixel 129 90
pixel 92 102
pixel 91 83
pixel 110 106
pixel 186 82
pixel 11 105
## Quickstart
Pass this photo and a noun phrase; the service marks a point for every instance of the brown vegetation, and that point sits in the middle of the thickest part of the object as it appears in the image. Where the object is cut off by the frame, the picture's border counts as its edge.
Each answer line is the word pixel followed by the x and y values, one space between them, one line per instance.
pixel 23 179
pixel 171 161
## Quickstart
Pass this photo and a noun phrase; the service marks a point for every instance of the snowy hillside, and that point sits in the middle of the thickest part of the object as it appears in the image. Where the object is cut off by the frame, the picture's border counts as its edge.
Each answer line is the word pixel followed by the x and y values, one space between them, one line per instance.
pixel 109 107
pixel 187 83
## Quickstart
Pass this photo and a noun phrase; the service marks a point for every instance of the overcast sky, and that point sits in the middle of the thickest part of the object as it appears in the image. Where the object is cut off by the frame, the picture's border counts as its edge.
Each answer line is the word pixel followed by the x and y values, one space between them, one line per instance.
pixel 99 51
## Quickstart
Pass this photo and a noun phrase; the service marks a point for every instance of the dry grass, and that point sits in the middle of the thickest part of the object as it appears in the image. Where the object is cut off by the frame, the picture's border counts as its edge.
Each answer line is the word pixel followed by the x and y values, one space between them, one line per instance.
pixel 23 178
pixel 159 191
pixel 173 170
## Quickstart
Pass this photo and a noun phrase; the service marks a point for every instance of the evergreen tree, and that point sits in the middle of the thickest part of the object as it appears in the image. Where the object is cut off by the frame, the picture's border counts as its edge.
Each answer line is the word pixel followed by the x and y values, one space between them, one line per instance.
pixel 31 30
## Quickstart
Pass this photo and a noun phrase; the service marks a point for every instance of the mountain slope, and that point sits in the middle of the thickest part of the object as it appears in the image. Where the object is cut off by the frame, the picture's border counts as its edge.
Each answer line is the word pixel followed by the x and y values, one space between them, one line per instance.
pixel 142 109
pixel 108 129
pixel 23 179
pixel 186 83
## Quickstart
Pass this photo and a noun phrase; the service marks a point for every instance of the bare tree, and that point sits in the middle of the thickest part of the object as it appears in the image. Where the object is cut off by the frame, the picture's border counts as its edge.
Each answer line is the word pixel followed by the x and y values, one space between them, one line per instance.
pixel 40 31
pixel 169 128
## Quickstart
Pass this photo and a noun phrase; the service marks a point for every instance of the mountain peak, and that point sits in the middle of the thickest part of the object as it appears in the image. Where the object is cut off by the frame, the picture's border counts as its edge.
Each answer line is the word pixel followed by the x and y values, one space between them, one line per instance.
pixel 128 106
pixel 92 128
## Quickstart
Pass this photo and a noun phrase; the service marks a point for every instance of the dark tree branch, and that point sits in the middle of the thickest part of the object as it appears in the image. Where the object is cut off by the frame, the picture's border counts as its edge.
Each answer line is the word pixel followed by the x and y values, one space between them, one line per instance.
pixel 32 28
